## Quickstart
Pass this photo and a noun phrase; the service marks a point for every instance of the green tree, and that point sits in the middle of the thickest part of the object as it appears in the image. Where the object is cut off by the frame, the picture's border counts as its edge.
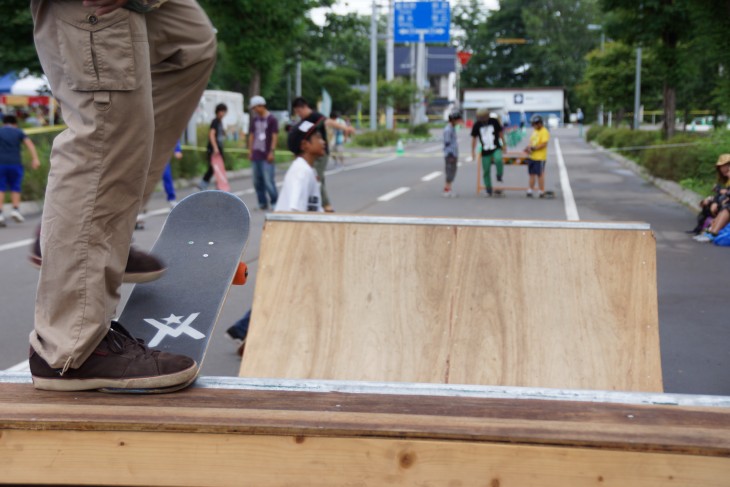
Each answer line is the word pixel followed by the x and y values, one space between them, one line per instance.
pixel 255 38
pixel 609 79
pixel 17 51
pixel 663 25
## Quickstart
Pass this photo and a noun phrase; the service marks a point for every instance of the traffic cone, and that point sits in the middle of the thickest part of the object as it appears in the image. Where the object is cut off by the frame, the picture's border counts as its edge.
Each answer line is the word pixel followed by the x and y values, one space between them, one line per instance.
pixel 399 150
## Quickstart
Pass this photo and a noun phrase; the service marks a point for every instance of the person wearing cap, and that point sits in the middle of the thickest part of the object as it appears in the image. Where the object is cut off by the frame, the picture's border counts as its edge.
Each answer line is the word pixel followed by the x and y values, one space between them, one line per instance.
pixel 451 151
pixel 488 131
pixel 304 112
pixel 718 204
pixel 301 190
pixel 537 152
pixel 262 139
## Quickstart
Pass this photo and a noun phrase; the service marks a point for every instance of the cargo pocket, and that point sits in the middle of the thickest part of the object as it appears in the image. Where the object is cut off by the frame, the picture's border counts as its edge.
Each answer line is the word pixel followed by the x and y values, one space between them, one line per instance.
pixel 97 51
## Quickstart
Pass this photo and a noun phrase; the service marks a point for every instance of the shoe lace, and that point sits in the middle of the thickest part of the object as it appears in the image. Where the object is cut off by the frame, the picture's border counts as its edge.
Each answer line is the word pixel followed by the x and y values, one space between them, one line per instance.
pixel 120 340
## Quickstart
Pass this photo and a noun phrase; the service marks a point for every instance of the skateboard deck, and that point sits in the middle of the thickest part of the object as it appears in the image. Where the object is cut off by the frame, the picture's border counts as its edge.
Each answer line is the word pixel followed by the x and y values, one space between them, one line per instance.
pixel 201 243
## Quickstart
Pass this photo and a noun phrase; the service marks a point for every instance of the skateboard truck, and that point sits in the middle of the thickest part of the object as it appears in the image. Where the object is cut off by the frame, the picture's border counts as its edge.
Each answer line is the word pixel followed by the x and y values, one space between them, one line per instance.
pixel 239 279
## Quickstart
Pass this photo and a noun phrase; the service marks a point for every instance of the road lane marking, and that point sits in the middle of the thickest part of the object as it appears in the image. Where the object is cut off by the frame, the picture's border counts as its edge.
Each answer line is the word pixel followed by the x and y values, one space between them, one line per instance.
pixel 394 194
pixel 23 366
pixel 432 176
pixel 18 244
pixel 571 209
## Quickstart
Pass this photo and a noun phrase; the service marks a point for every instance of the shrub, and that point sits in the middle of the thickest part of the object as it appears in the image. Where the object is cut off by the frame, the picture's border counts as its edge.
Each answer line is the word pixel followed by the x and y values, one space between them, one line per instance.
pixel 594 131
pixel 421 130
pixel 376 138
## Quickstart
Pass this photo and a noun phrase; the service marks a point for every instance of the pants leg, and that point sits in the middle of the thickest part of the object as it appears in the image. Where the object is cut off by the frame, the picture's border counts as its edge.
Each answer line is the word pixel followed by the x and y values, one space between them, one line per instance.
pixel 258 182
pixel 168 183
pixel 270 182
pixel 243 324
pixel 99 71
pixel 182 56
pixel 127 84
pixel 487 170
pixel 320 165
pixel 499 162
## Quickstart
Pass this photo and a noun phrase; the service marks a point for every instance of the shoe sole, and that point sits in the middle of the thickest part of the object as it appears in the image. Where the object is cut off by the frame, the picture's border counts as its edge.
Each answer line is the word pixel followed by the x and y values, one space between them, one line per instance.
pixel 135 385
pixel 17 219
pixel 128 278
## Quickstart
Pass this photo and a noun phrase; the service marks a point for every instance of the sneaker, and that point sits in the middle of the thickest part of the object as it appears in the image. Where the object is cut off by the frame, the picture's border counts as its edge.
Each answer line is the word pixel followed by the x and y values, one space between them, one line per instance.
pixel 705 237
pixel 529 194
pixel 172 203
pixel 202 185
pixel 541 195
pixel 488 191
pixel 235 334
pixel 446 194
pixel 141 267
pixel 499 179
pixel 15 215
pixel 120 363
pixel 2 221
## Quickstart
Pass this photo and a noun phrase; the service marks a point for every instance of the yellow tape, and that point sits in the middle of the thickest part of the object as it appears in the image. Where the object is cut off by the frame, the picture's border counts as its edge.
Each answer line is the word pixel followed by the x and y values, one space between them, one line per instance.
pixel 44 130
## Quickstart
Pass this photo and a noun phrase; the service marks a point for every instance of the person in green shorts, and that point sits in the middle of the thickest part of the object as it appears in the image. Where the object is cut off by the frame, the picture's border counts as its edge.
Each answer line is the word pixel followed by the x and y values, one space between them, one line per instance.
pixel 488 131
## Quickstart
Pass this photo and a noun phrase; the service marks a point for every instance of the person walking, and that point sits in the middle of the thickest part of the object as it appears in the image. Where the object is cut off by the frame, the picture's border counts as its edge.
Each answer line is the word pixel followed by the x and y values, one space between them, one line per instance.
pixel 262 140
pixel 488 131
pixel 537 152
pixel 102 62
pixel 167 182
pixel 304 112
pixel 451 151
pixel 11 165
pixel 336 138
pixel 216 138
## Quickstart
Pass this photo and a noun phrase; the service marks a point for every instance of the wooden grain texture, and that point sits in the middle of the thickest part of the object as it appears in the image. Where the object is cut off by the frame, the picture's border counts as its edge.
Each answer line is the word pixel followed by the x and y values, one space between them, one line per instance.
pixel 561 308
pixel 641 428
pixel 176 459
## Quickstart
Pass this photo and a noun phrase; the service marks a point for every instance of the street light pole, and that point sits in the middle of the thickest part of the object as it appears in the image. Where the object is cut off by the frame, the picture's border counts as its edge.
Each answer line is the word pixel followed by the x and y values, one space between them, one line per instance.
pixel 374 68
pixel 637 90
pixel 389 63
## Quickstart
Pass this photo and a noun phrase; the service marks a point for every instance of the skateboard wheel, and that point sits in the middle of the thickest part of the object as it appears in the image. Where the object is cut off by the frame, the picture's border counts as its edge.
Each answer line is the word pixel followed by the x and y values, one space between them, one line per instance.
pixel 241 274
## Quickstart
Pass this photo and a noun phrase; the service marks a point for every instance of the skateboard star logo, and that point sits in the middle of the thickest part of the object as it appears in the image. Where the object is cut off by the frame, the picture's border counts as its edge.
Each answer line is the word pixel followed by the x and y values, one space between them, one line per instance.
pixel 165 329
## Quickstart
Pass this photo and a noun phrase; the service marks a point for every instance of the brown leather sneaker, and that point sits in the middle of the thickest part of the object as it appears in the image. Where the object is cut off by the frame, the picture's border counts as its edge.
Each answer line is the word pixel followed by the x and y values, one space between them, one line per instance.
pixel 120 363
pixel 141 267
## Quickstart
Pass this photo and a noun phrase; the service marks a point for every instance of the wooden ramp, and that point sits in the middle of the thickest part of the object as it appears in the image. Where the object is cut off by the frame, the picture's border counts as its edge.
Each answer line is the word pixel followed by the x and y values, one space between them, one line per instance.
pixel 510 303
pixel 244 432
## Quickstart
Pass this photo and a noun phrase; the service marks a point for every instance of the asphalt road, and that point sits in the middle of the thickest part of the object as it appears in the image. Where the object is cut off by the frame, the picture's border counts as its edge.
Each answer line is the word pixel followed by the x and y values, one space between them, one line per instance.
pixel 692 278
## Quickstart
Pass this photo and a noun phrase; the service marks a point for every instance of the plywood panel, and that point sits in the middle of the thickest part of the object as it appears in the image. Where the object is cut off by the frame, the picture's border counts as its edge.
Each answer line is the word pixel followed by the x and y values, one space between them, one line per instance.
pixel 544 307
pixel 176 459
pixel 364 302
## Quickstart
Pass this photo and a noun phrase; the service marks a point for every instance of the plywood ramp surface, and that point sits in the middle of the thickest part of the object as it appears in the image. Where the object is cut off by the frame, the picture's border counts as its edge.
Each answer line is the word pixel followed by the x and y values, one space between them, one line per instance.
pixel 566 306
pixel 273 437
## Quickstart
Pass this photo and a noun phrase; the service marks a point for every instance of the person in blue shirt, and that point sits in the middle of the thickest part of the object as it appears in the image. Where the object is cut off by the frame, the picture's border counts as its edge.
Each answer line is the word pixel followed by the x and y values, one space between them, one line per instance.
pixel 11 165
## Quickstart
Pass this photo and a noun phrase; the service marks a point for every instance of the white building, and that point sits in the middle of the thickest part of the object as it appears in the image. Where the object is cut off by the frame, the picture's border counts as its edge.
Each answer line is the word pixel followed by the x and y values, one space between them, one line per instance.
pixel 519 103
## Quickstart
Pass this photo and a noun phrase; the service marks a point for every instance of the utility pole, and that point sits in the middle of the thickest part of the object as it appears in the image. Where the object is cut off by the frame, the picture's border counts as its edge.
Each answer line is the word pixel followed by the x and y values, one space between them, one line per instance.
pixel 374 68
pixel 298 76
pixel 389 67
pixel 637 90
pixel 421 78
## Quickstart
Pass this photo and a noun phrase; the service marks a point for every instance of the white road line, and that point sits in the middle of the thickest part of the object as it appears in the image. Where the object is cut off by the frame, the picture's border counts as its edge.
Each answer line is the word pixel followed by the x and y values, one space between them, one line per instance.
pixel 432 176
pixel 571 209
pixel 23 366
pixel 18 244
pixel 361 165
pixel 394 194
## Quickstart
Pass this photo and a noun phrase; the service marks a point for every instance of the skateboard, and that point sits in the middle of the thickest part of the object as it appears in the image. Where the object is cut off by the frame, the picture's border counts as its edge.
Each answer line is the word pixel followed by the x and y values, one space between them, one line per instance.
pixel 201 243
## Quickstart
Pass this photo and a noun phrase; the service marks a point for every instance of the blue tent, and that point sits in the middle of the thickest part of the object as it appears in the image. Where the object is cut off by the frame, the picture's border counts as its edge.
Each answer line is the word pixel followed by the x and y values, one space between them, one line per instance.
pixel 7 82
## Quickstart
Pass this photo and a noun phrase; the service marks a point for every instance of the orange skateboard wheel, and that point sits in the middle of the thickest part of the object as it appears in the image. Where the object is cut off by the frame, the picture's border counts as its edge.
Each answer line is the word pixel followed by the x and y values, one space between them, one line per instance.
pixel 241 274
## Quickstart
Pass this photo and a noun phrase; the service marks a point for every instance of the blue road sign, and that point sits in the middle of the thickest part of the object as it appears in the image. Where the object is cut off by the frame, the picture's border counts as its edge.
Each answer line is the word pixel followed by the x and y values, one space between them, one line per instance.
pixel 432 19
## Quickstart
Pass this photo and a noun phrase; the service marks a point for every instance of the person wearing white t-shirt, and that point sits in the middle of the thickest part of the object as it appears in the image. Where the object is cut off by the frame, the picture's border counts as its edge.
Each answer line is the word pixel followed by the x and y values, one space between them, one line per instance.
pixel 300 191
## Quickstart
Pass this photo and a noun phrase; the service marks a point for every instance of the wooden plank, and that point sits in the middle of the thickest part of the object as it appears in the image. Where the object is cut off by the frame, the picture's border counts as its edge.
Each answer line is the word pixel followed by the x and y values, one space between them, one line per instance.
pixel 668 429
pixel 176 459
pixel 550 307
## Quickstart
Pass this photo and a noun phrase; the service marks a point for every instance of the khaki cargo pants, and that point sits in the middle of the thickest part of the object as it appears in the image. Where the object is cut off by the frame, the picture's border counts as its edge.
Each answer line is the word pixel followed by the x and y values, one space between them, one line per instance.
pixel 127 84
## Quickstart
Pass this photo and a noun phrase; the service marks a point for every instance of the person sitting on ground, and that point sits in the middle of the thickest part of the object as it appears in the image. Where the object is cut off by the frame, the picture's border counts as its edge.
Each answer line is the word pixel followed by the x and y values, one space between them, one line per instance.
pixel 11 165
pixel 718 204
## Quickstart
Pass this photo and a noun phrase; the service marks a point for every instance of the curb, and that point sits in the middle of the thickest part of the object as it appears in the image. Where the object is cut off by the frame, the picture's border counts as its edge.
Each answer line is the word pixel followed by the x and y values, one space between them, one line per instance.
pixel 673 189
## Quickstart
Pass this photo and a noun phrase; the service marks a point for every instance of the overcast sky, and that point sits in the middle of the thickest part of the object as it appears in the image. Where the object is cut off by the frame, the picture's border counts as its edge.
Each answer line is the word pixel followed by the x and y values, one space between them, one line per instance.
pixel 365 7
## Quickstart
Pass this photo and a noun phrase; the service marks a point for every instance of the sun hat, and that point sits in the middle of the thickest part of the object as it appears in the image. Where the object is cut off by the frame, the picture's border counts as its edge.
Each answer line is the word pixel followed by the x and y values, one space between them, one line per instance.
pixel 257 101
pixel 723 159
